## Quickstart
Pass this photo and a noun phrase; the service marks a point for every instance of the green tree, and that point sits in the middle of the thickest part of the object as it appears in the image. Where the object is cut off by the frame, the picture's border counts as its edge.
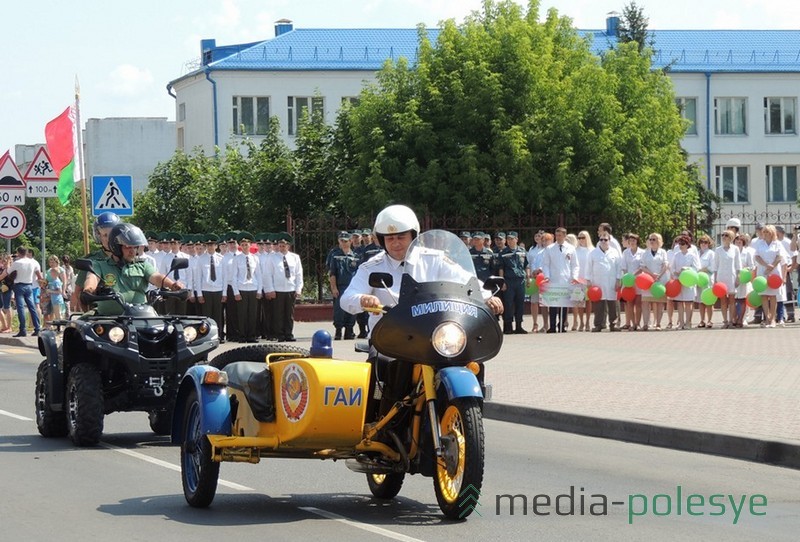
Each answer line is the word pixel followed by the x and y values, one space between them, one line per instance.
pixel 633 27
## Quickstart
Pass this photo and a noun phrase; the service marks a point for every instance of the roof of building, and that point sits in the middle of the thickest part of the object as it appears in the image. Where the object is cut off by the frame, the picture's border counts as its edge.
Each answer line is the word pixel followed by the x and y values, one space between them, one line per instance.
pixel 367 49
pixel 715 51
pixel 327 49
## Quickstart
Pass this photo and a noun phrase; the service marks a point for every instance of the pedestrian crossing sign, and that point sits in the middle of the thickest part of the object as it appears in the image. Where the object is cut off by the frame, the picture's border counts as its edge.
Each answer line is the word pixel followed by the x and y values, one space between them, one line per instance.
pixel 112 193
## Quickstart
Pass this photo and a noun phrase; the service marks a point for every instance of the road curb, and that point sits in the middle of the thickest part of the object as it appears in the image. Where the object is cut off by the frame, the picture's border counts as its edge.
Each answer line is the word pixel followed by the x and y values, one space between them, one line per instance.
pixel 773 452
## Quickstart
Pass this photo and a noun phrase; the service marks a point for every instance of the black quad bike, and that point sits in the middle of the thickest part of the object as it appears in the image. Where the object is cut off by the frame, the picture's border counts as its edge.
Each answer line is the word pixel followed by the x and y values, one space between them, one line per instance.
pixel 130 362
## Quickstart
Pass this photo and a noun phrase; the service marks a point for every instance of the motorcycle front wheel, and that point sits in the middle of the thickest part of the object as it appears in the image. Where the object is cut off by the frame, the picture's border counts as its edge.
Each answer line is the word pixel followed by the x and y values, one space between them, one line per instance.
pixel 199 473
pixel 459 472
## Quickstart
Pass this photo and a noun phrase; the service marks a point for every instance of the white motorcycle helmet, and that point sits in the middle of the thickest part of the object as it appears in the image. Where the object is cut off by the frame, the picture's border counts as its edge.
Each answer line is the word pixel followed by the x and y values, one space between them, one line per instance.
pixel 734 223
pixel 393 220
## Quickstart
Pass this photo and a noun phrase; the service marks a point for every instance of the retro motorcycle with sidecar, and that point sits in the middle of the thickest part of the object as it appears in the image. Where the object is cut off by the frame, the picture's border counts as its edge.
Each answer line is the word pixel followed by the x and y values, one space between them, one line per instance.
pixel 414 407
pixel 133 361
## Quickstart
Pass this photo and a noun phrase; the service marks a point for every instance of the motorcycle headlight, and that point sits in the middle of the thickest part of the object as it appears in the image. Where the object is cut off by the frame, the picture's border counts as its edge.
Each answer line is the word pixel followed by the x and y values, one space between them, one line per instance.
pixel 116 334
pixel 449 339
pixel 189 333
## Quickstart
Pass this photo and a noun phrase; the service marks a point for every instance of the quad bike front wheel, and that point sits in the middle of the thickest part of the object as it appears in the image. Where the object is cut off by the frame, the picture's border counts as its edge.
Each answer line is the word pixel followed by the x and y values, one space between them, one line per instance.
pixel 49 422
pixel 84 404
pixel 199 473
pixel 459 472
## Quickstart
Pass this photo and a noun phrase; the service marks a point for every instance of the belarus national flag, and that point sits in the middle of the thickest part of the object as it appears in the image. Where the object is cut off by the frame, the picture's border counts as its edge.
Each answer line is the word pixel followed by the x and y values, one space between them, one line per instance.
pixel 61 135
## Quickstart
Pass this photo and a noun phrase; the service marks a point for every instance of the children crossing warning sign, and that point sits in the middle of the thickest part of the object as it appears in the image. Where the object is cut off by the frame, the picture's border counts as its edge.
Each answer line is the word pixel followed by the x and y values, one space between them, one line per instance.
pixel 112 193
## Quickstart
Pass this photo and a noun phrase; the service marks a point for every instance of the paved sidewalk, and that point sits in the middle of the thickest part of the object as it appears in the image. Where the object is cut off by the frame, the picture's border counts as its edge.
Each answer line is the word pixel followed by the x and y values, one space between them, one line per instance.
pixel 729 392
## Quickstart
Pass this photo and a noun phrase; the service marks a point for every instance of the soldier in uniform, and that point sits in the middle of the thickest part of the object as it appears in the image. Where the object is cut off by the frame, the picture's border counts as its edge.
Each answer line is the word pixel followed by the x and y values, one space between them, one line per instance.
pixel 466 237
pixel 247 289
pixel 209 282
pixel 482 257
pixel 174 305
pixel 264 243
pixel 102 227
pixel 124 272
pixel 513 261
pixel 228 299
pixel 341 271
pixel 370 250
pixel 284 284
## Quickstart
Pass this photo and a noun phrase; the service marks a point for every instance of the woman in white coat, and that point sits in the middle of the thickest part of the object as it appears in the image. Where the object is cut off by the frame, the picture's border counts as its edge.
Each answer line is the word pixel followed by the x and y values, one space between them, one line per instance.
pixel 707 265
pixel 747 255
pixel 684 259
pixel 727 264
pixel 603 269
pixel 769 260
pixel 656 264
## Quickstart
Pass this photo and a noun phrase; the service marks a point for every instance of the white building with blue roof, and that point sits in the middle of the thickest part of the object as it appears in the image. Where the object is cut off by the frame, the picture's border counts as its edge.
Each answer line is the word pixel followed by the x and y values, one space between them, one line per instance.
pixel 739 89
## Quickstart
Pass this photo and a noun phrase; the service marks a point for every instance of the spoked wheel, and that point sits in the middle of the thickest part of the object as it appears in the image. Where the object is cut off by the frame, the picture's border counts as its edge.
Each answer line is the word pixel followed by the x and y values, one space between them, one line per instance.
pixel 49 422
pixel 459 472
pixel 385 486
pixel 198 472
pixel 85 409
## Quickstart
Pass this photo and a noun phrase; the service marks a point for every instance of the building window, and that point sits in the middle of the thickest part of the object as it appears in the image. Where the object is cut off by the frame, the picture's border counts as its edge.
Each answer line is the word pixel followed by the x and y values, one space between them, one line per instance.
pixel 298 105
pixel 732 184
pixel 688 110
pixel 779 115
pixel 730 116
pixel 782 184
pixel 182 112
pixel 250 115
pixel 181 140
pixel 351 100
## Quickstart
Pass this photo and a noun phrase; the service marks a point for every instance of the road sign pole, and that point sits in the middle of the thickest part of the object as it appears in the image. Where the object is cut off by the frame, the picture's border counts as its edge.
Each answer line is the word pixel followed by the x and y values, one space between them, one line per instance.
pixel 41 208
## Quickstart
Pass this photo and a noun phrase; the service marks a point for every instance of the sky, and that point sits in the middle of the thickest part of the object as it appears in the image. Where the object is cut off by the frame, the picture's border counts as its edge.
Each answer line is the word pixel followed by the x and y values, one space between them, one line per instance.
pixel 124 53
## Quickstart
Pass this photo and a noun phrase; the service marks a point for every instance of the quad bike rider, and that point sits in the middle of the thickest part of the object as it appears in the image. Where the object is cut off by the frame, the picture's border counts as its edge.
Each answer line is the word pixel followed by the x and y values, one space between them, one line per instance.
pixel 122 356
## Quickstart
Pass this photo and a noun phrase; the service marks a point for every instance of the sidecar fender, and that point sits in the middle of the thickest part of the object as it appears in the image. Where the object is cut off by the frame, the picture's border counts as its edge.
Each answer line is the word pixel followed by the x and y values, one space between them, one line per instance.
pixel 215 405
pixel 459 382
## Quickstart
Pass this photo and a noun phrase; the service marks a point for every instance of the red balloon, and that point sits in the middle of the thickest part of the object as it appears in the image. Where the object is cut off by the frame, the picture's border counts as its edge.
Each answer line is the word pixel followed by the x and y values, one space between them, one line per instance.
pixel 628 293
pixel 644 281
pixel 594 293
pixel 540 278
pixel 774 281
pixel 673 288
pixel 720 289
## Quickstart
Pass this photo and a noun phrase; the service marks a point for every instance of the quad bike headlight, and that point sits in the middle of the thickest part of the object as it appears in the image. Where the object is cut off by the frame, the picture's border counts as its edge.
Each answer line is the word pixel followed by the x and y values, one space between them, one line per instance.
pixel 449 339
pixel 116 334
pixel 189 333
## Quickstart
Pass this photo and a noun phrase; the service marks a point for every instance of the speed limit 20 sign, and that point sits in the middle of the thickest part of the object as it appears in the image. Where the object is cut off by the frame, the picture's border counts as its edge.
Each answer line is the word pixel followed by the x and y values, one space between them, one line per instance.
pixel 12 222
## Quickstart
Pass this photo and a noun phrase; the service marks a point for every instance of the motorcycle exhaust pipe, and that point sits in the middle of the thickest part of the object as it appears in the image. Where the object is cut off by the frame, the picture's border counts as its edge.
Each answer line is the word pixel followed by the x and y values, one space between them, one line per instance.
pixel 368 466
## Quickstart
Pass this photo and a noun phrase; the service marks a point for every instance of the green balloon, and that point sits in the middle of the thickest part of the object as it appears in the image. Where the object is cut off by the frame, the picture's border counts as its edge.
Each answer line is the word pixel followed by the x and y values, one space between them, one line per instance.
pixel 754 298
pixel 703 279
pixel 745 276
pixel 532 288
pixel 760 284
pixel 658 290
pixel 708 297
pixel 688 278
pixel 628 280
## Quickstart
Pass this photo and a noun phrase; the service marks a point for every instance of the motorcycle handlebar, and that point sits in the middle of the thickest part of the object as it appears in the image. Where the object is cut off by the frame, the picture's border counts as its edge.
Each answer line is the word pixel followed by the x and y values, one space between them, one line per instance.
pixel 375 310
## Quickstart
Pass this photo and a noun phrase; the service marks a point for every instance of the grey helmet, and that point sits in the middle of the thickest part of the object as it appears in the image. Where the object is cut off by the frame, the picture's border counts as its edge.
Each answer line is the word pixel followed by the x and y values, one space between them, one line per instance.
pixel 124 234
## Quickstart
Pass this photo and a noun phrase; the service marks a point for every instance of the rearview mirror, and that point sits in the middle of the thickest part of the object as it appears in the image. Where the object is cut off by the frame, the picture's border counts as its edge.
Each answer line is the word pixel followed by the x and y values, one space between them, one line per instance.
pixel 179 263
pixel 381 280
pixel 494 283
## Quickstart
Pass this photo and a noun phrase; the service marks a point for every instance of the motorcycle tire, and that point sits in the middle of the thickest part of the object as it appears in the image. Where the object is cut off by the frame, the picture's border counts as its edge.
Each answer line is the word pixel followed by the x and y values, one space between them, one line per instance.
pixel 199 473
pixel 49 422
pixel 385 486
pixel 160 421
pixel 255 352
pixel 459 473
pixel 84 405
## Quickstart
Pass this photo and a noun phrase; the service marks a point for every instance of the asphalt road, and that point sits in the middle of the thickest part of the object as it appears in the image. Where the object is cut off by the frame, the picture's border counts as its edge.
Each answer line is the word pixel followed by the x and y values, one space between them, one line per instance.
pixel 129 489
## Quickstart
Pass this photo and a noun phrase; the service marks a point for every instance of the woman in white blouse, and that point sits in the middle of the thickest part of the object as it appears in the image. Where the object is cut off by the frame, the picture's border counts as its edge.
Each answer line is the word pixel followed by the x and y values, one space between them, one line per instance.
pixel 684 259
pixel 654 263
pixel 707 263
pixel 728 263
pixel 631 263
pixel 747 255
pixel 585 246
pixel 769 261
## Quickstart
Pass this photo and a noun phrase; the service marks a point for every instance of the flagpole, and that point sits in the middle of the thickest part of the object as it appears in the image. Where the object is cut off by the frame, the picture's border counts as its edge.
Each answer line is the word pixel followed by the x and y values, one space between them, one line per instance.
pixel 80 163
